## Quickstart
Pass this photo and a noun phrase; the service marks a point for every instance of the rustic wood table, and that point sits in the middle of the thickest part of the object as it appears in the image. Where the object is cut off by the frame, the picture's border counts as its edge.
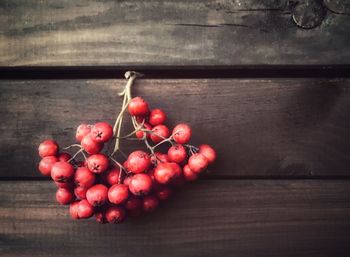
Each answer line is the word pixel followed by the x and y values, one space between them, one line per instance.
pixel 265 82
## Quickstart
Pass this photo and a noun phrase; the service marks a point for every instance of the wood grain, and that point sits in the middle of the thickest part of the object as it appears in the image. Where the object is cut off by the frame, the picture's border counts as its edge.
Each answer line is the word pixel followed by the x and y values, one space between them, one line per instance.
pixel 260 128
pixel 98 33
pixel 210 218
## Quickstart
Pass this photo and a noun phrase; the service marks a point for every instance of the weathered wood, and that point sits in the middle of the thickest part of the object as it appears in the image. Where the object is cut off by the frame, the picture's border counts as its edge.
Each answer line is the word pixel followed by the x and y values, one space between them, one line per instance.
pixel 272 128
pixel 157 32
pixel 210 218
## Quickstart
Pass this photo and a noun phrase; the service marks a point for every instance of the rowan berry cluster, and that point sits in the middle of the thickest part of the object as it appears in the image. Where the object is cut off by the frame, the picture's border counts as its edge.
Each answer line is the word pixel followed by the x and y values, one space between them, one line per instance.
pixel 93 182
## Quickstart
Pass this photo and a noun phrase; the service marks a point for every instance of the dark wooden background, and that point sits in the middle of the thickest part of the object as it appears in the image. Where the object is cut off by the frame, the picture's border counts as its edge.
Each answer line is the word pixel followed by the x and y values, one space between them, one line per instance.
pixel 271 96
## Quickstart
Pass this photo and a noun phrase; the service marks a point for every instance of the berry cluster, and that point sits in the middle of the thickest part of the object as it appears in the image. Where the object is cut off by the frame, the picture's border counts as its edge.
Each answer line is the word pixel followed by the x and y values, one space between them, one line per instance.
pixel 99 184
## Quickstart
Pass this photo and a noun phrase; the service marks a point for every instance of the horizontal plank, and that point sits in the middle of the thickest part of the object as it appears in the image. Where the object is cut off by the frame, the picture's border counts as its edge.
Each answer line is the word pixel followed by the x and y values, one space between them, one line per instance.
pixel 157 32
pixel 210 218
pixel 260 128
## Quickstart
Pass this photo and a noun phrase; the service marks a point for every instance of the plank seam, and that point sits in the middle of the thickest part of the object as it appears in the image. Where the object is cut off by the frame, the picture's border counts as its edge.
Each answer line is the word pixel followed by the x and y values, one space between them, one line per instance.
pixel 176 72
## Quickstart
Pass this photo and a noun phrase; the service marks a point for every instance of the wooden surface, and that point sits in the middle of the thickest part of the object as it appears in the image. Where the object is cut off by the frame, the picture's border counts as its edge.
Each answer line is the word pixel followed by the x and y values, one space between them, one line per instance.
pixel 266 128
pixel 89 33
pixel 213 218
pixel 280 186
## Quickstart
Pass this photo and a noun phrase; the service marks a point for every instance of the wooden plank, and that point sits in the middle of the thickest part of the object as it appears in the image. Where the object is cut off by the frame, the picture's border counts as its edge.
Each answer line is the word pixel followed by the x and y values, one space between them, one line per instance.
pixel 67 33
pixel 260 127
pixel 210 218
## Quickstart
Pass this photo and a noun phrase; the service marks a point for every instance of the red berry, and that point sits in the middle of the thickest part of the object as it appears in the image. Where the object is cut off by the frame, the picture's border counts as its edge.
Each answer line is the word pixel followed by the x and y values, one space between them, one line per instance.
pixel 178 181
pixel 197 162
pixel 164 172
pixel 151 175
pixel 91 146
pixel 133 206
pixel 208 152
pixel 83 177
pixel 138 161
pixel 140 134
pixel 73 210
pixel 164 193
pixel 97 163
pixel 159 157
pixel 80 192
pixel 101 217
pixel 157 117
pixel 68 185
pixel 177 169
pixel 189 175
pixel 102 132
pixel 64 196
pixel 140 184
pixel 82 131
pixel 62 171
pixel 97 195
pixel 177 153
pixel 138 107
pixel 150 203
pixel 162 157
pixel 133 203
pixel 182 133
pixel 48 148
pixel 125 165
pixel 118 193
pixel 85 210
pixel 46 163
pixel 140 119
pixel 113 176
pixel 127 180
pixel 160 133
pixel 64 157
pixel 115 214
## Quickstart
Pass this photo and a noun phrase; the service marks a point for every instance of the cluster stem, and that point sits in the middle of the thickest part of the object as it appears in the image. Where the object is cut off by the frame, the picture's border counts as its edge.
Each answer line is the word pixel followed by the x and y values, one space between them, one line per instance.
pixel 126 93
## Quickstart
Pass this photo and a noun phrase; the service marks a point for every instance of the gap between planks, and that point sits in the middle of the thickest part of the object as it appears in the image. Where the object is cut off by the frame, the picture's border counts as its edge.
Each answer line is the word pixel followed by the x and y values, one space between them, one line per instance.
pixel 177 72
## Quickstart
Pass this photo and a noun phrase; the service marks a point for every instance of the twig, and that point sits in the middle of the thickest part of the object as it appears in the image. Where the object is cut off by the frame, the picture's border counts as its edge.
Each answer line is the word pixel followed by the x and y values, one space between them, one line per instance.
pixel 70 146
pixel 130 76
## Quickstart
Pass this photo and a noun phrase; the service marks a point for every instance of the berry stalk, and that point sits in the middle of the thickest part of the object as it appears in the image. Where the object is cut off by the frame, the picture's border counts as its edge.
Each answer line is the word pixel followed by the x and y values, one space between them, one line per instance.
pixel 126 93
